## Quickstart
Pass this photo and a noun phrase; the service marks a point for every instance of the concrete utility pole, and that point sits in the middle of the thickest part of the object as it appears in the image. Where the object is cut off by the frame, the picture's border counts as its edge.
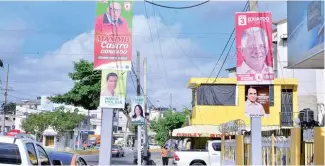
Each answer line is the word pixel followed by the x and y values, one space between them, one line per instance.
pixel 145 147
pixel 170 101
pixel 138 94
pixel 6 101
pixel 256 124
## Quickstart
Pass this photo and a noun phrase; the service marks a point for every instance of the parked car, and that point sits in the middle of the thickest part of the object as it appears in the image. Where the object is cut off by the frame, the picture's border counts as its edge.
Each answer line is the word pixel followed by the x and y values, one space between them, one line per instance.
pixel 210 156
pixel 66 158
pixel 117 151
pixel 23 151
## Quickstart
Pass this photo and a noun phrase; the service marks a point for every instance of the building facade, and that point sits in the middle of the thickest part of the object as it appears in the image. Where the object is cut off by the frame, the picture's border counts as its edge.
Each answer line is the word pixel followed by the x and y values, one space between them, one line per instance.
pixel 282 110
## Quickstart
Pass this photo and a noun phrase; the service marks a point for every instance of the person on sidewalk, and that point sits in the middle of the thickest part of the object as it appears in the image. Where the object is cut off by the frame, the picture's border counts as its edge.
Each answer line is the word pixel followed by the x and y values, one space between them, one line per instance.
pixel 164 155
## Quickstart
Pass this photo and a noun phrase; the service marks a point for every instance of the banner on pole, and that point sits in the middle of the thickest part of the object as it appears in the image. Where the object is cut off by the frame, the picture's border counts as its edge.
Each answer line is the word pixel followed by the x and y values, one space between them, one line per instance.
pixel 113 35
pixel 254 62
pixel 257 102
pixel 138 113
pixel 113 89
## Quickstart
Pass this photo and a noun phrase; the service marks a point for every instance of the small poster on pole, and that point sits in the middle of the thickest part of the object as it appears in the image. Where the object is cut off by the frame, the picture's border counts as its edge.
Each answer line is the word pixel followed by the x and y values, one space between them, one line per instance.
pixel 257 100
pixel 137 113
pixel 113 89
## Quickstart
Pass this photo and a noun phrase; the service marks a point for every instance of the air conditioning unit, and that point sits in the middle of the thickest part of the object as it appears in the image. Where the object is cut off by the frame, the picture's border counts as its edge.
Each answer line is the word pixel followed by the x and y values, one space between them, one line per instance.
pixel 306 117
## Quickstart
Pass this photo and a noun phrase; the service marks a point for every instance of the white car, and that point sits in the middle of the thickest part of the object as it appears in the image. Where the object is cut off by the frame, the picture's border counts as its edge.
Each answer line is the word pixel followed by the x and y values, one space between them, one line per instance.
pixel 23 151
pixel 210 156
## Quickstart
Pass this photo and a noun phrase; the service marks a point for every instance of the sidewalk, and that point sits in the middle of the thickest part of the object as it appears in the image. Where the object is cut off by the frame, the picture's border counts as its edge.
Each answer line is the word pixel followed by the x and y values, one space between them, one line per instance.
pixel 158 161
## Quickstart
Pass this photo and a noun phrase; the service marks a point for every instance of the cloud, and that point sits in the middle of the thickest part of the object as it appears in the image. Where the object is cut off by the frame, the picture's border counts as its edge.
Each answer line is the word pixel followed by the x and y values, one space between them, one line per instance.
pixel 167 73
pixel 12 37
pixel 219 9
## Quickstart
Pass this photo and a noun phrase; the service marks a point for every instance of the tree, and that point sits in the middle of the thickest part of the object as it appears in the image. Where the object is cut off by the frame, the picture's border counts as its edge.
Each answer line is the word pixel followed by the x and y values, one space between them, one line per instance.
pixel 65 121
pixel 37 123
pixel 1 63
pixel 170 121
pixel 62 122
pixel 9 108
pixel 86 90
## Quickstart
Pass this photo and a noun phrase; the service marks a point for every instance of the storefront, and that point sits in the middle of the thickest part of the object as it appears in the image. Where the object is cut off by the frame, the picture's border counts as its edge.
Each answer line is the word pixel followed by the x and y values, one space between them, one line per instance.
pixel 196 136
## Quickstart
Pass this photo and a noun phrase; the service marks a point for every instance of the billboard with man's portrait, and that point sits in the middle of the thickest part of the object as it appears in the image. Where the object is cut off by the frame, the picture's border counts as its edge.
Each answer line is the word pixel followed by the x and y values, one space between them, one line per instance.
pixel 137 113
pixel 113 89
pixel 257 100
pixel 254 61
pixel 113 35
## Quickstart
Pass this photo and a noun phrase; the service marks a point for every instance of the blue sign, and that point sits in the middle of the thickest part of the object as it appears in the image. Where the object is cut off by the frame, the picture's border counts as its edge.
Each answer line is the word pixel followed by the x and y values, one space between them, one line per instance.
pixel 305 30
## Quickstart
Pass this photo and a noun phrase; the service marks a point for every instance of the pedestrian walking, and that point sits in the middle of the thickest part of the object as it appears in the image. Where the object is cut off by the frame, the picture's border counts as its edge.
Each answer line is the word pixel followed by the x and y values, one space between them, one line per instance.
pixel 164 155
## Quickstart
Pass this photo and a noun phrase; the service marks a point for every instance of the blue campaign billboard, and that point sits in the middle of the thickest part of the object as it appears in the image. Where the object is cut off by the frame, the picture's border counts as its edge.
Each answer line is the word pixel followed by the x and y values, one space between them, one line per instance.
pixel 305 30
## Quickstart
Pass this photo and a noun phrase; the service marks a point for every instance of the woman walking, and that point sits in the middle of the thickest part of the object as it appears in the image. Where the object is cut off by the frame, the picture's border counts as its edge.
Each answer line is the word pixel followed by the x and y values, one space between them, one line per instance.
pixel 164 155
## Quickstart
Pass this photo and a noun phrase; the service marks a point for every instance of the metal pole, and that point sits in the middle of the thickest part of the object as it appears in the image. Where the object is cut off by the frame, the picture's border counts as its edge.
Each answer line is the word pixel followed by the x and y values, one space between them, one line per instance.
pixel 6 100
pixel 138 94
pixel 106 136
pixel 145 140
pixel 139 145
pixel 256 124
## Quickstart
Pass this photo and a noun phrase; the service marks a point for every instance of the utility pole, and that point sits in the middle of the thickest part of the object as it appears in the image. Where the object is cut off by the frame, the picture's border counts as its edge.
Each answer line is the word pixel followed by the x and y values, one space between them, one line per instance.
pixel 145 147
pixel 6 101
pixel 170 101
pixel 138 74
pixel 138 94
pixel 256 124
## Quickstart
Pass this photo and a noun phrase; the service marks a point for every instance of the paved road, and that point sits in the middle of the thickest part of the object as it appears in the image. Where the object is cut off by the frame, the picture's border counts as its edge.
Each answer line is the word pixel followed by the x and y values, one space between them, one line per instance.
pixel 126 160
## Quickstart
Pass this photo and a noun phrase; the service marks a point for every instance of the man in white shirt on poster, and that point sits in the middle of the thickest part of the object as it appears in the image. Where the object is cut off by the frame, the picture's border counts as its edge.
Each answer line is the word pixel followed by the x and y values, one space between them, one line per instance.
pixel 253 108
pixel 254 48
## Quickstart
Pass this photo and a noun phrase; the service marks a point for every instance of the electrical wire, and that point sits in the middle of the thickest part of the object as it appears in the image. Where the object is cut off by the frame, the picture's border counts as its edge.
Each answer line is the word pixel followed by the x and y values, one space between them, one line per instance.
pixel 173 7
pixel 163 20
pixel 161 54
pixel 233 31
pixel 153 45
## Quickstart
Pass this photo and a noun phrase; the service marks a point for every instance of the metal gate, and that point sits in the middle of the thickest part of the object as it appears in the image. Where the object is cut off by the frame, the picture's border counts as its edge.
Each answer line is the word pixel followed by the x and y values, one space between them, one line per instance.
pixel 307 147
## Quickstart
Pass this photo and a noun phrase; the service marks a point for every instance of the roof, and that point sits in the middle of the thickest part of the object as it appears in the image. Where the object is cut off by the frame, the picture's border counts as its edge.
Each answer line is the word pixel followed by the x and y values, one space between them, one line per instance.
pixel 232 68
pixel 195 82
pixel 279 21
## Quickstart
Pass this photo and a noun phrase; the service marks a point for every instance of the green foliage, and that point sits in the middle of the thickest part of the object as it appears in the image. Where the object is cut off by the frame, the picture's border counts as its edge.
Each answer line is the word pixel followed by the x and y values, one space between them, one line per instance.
pixel 65 121
pixel 61 121
pixel 86 90
pixel 37 123
pixel 10 108
pixel 170 121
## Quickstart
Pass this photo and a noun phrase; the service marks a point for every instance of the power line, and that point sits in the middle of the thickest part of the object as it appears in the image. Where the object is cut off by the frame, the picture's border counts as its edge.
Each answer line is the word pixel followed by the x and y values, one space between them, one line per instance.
pixel 173 7
pixel 153 45
pixel 163 20
pixel 161 54
pixel 233 31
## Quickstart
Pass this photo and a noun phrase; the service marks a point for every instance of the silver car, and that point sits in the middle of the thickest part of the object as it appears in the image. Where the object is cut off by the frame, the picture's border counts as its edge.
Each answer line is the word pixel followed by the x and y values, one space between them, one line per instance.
pixel 117 151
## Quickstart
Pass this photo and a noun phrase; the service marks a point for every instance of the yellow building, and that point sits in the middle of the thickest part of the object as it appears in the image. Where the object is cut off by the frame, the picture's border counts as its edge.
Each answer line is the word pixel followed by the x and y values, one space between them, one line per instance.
pixel 283 105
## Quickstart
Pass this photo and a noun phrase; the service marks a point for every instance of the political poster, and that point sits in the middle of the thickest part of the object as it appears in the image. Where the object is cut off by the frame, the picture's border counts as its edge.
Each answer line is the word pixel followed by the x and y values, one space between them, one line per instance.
pixel 113 89
pixel 137 111
pixel 257 102
pixel 113 35
pixel 254 59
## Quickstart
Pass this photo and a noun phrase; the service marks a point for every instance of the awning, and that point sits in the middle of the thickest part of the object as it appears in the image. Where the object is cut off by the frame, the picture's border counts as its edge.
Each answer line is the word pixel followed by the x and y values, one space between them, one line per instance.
pixel 197 131
pixel 50 132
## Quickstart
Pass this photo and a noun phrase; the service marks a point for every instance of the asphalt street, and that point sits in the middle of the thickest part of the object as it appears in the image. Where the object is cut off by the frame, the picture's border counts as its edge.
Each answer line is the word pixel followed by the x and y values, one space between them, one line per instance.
pixel 126 160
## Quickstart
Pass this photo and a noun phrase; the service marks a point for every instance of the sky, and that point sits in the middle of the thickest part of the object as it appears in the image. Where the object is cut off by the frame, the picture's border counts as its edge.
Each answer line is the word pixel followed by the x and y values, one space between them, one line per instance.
pixel 41 40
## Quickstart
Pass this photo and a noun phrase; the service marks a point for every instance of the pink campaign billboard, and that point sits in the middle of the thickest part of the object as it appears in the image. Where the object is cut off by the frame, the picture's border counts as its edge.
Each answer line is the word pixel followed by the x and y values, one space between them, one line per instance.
pixel 254 61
